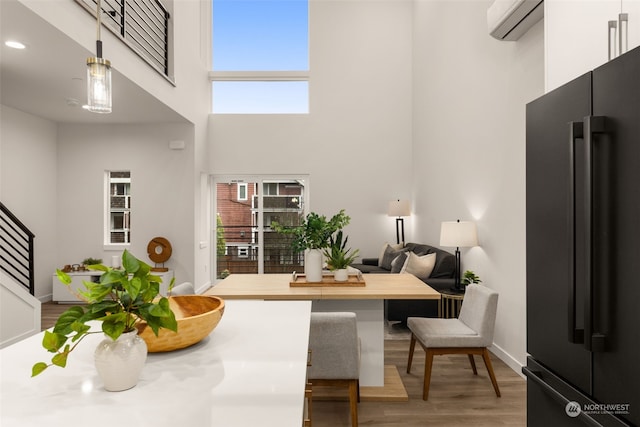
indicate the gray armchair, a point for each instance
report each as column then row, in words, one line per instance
column 471, row 333
column 335, row 355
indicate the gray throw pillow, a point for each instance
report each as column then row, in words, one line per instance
column 398, row 262
column 389, row 255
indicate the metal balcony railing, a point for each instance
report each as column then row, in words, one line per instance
column 16, row 250
column 142, row 24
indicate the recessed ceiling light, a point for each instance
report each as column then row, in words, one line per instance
column 15, row 44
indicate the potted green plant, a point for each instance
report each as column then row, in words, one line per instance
column 91, row 261
column 339, row 257
column 470, row 277
column 313, row 235
column 121, row 299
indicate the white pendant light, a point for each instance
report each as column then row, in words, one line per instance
column 98, row 77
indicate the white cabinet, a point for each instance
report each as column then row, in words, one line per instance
column 62, row 294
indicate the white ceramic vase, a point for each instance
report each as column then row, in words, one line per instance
column 313, row 265
column 120, row 362
column 341, row 275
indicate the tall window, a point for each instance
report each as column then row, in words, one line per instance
column 260, row 56
column 118, row 211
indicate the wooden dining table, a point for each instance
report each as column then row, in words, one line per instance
column 366, row 301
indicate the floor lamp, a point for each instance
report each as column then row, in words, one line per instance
column 459, row 235
column 399, row 208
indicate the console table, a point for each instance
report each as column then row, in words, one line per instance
column 250, row 371
column 367, row 302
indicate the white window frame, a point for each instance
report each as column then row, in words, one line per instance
column 108, row 245
column 246, row 191
column 257, row 179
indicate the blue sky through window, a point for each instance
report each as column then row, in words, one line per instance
column 260, row 35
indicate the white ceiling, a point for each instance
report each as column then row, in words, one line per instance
column 41, row 78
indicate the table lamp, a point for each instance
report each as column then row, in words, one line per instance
column 399, row 208
column 461, row 235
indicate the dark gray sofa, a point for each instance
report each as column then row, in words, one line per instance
column 441, row 278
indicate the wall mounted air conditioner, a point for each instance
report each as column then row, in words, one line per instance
column 510, row 19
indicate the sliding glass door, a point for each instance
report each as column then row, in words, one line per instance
column 245, row 207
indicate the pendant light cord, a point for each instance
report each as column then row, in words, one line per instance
column 98, row 41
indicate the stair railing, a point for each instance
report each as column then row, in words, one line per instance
column 16, row 249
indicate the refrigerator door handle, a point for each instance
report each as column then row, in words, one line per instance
column 594, row 341
column 576, row 335
column 536, row 377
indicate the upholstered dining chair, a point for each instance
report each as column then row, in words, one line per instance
column 335, row 354
column 471, row 333
column 185, row 288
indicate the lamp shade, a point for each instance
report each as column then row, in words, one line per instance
column 459, row 234
column 399, row 208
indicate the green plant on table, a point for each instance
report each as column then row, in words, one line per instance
column 120, row 300
column 337, row 253
column 91, row 261
column 314, row 231
column 470, row 277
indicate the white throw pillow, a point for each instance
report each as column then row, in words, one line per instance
column 419, row 266
column 395, row 247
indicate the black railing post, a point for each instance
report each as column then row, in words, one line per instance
column 123, row 21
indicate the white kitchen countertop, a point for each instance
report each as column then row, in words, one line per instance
column 250, row 371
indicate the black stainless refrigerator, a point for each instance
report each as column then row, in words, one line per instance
column 583, row 250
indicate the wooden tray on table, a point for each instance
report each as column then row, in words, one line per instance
column 300, row 281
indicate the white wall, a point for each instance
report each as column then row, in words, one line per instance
column 161, row 183
column 470, row 92
column 356, row 142
column 576, row 35
column 86, row 150
column 28, row 186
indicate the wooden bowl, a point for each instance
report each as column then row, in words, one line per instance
column 197, row 316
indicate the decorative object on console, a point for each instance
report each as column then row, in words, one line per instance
column 399, row 208
column 339, row 256
column 159, row 251
column 98, row 75
column 91, row 261
column 313, row 235
column 461, row 235
column 120, row 300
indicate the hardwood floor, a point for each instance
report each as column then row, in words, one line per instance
column 456, row 396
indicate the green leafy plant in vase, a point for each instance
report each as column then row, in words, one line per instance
column 339, row 257
column 121, row 299
column 313, row 234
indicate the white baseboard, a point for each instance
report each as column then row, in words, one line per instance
column 507, row 359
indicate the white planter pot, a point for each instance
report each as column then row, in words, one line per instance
column 120, row 362
column 341, row 275
column 313, row 265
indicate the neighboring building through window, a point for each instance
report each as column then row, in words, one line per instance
column 118, row 223
column 260, row 56
column 244, row 227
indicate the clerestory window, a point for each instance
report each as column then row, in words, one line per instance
column 260, row 57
